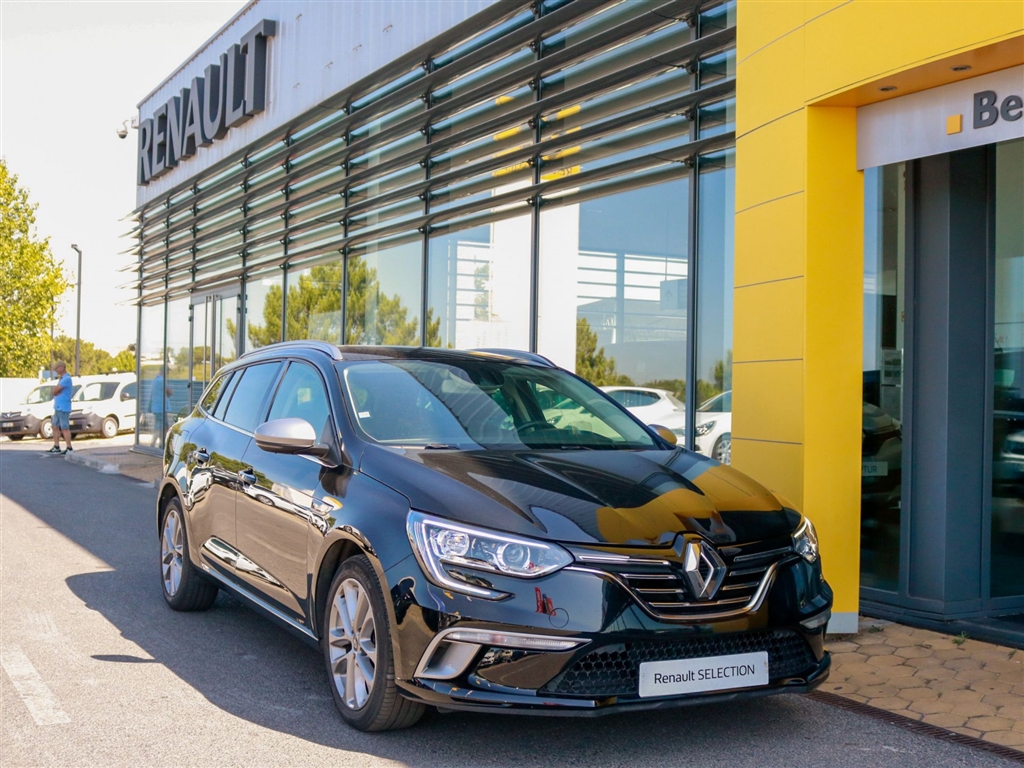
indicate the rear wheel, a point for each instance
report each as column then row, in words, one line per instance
column 356, row 641
column 109, row 428
column 185, row 589
column 46, row 429
column 723, row 449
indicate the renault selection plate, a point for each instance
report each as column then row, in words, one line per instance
column 713, row 673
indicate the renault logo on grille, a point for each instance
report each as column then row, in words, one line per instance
column 703, row 568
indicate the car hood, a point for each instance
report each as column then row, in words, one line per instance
column 624, row 498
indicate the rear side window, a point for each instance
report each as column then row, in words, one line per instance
column 225, row 395
column 210, row 398
column 130, row 392
column 631, row 398
column 302, row 396
column 245, row 409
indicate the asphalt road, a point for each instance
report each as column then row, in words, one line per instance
column 98, row 671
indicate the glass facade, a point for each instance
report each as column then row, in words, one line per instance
column 884, row 339
column 554, row 196
column 1007, row 529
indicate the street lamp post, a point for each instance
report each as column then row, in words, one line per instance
column 78, row 315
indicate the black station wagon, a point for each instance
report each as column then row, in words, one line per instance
column 483, row 530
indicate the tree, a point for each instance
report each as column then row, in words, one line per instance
column 591, row 363
column 94, row 359
column 31, row 281
column 124, row 361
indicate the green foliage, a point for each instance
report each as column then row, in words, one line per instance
column 94, row 359
column 124, row 361
column 591, row 363
column 31, row 281
column 314, row 310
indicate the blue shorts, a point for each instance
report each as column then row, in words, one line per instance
column 60, row 419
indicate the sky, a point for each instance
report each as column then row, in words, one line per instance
column 70, row 74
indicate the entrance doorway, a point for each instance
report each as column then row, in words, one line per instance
column 214, row 340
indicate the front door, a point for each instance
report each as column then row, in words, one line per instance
column 214, row 339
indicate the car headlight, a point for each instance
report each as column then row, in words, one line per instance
column 703, row 429
column 805, row 541
column 439, row 543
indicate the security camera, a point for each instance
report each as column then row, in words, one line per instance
column 122, row 132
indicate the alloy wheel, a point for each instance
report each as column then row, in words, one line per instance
column 723, row 450
column 172, row 547
column 353, row 644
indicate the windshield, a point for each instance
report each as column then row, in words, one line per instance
column 97, row 390
column 42, row 394
column 484, row 404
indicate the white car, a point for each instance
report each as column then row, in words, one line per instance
column 32, row 417
column 714, row 427
column 105, row 405
column 652, row 406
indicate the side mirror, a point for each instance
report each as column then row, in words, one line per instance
column 126, row 396
column 665, row 434
column 289, row 436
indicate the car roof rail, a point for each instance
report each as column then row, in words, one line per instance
column 532, row 357
column 326, row 347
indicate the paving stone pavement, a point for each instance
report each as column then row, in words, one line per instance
column 964, row 685
column 967, row 686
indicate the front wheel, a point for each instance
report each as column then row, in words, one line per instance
column 356, row 640
column 46, row 429
column 185, row 589
column 109, row 428
column 723, row 449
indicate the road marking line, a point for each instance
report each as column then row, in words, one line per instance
column 30, row 686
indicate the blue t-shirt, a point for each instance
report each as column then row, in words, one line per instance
column 62, row 402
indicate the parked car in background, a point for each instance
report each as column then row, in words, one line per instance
column 416, row 514
column 105, row 405
column 652, row 406
column 714, row 427
column 33, row 416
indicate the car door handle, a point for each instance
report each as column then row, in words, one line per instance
column 201, row 456
column 247, row 476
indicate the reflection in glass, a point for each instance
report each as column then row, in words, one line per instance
column 616, row 268
column 882, row 436
column 151, row 370
column 384, row 296
column 1008, row 374
column 479, row 286
column 716, row 206
column 263, row 300
column 314, row 303
column 177, row 395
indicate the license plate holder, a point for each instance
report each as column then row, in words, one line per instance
column 703, row 675
column 7, row 425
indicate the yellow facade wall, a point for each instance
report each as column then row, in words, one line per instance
column 803, row 67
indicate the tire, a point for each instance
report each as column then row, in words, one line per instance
column 15, row 437
column 356, row 641
column 184, row 587
column 722, row 452
column 109, row 427
column 46, row 429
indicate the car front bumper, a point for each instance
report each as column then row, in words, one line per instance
column 615, row 636
column 19, row 425
column 85, row 423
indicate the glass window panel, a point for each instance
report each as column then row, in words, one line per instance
column 716, row 205
column 246, row 409
column 478, row 42
column 1008, row 374
column 151, row 369
column 613, row 288
column 178, row 401
column 210, row 400
column 607, row 18
column 314, row 303
column 479, row 287
column 721, row 66
column 384, row 295
column 716, row 119
column 882, row 436
column 718, row 18
column 263, row 306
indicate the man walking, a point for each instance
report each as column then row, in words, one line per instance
column 61, row 408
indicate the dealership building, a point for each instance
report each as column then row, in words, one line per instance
column 803, row 220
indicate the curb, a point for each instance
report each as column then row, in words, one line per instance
column 104, row 467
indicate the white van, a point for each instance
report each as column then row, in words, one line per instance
column 33, row 416
column 105, row 405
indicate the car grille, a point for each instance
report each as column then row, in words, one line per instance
column 662, row 588
column 614, row 670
